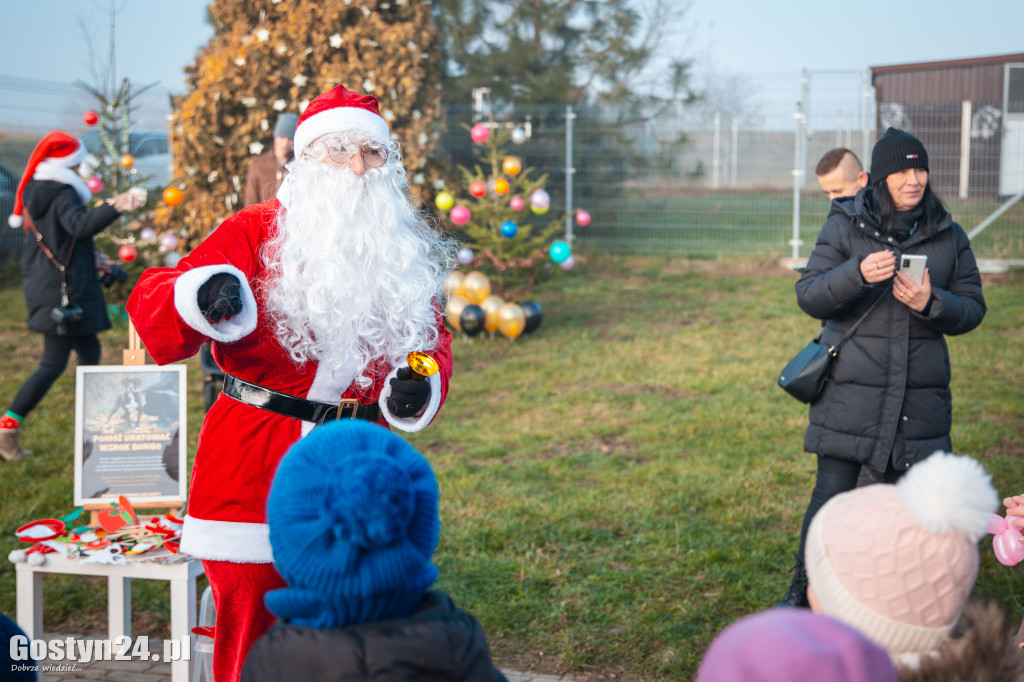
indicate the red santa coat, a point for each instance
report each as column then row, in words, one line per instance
column 240, row 446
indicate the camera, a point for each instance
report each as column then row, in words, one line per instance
column 116, row 274
column 66, row 317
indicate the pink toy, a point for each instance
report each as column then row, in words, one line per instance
column 1008, row 543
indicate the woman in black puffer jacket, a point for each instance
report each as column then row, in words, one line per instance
column 887, row 403
column 51, row 198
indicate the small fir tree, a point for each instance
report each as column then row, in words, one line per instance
column 512, row 257
column 130, row 243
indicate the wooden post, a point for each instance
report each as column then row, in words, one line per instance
column 135, row 354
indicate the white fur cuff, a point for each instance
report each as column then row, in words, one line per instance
column 186, row 288
column 411, row 424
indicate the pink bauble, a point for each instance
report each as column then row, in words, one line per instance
column 516, row 203
column 480, row 133
column 568, row 263
column 169, row 242
column 582, row 218
column 127, row 253
column 460, row 215
column 95, row 184
column 147, row 234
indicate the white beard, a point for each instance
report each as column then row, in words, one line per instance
column 354, row 271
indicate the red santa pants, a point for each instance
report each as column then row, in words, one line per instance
column 242, row 618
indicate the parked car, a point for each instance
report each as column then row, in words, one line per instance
column 10, row 239
column 151, row 152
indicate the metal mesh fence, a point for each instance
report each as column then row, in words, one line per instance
column 31, row 108
column 729, row 174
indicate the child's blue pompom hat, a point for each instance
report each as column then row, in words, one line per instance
column 353, row 516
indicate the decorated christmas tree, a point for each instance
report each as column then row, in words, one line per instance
column 130, row 245
column 268, row 57
column 502, row 218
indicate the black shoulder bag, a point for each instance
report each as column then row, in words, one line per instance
column 805, row 375
column 67, row 314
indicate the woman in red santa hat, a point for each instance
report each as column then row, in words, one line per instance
column 67, row 307
column 312, row 300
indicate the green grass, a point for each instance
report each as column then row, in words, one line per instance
column 616, row 487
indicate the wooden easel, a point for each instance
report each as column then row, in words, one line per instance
column 135, row 354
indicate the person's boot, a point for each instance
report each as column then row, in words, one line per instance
column 796, row 595
column 10, row 449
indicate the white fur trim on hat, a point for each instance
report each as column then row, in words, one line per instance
column 186, row 288
column 340, row 120
column 73, row 159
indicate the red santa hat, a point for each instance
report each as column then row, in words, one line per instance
column 57, row 148
column 337, row 111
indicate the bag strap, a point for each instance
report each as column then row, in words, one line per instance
column 61, row 268
column 846, row 337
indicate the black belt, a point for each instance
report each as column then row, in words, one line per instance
column 297, row 408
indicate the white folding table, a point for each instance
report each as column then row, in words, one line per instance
column 182, row 576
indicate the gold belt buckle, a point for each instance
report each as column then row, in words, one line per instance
column 351, row 402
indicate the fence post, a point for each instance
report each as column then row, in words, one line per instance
column 865, row 138
column 733, row 152
column 716, row 147
column 570, row 170
column 798, row 163
column 965, row 147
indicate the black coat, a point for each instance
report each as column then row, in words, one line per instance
column 60, row 216
column 439, row 642
column 889, row 386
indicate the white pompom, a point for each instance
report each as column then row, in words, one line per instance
column 16, row 556
column 36, row 559
column 948, row 493
column 15, row 221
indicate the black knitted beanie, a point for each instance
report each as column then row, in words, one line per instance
column 895, row 151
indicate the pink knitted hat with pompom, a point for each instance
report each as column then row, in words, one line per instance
column 898, row 561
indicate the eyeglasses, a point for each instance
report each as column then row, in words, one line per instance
column 373, row 157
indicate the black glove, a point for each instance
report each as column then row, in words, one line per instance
column 407, row 396
column 220, row 297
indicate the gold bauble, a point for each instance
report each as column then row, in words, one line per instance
column 491, row 305
column 455, row 305
column 476, row 287
column 511, row 320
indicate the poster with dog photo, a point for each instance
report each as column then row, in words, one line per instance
column 130, row 434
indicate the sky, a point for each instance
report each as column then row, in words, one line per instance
column 155, row 41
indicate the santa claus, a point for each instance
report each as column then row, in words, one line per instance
column 312, row 301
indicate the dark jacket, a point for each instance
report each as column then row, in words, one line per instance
column 265, row 177
column 980, row 650
column 889, row 386
column 439, row 642
column 60, row 216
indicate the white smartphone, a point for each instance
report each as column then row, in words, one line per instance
column 912, row 266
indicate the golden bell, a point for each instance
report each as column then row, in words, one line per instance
column 422, row 364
